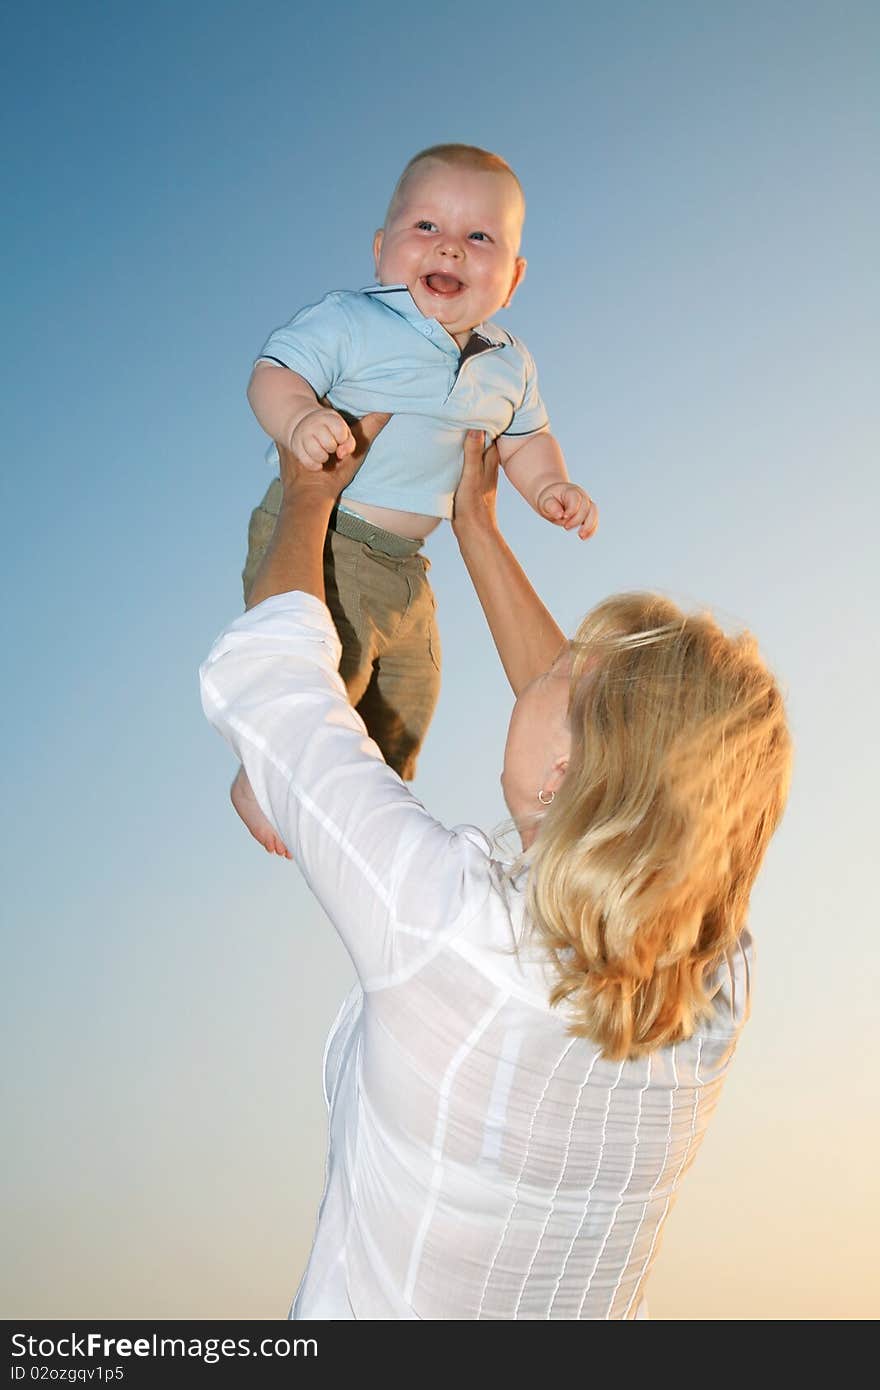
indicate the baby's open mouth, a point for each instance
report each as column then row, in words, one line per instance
column 443, row 284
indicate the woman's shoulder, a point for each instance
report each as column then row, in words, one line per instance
column 706, row 1055
column 495, row 938
column 731, row 987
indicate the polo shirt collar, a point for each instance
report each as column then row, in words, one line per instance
column 399, row 299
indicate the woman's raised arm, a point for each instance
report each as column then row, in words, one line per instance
column 394, row 881
column 527, row 638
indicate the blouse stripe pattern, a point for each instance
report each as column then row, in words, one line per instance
column 439, row 1135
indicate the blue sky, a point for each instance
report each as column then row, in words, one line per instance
column 701, row 301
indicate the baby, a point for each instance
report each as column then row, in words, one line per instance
column 419, row 344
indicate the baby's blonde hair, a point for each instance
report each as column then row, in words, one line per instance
column 642, row 870
column 462, row 156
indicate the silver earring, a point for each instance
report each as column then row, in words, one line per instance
column 545, row 798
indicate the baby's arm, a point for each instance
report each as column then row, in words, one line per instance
column 288, row 409
column 536, row 467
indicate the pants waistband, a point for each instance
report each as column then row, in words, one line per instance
column 357, row 529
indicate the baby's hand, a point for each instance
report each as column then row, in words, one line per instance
column 319, row 434
column 567, row 505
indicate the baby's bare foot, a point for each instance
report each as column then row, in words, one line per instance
column 242, row 795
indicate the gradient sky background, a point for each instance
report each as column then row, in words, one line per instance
column 701, row 300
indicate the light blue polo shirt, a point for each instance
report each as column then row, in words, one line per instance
column 375, row 350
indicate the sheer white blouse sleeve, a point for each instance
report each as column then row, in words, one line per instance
column 395, row 883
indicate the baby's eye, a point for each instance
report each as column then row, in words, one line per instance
column 480, row 236
column 425, row 226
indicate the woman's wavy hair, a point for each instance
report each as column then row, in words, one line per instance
column 643, row 866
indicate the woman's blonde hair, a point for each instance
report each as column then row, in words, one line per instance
column 642, row 869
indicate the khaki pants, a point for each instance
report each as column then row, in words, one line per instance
column 385, row 614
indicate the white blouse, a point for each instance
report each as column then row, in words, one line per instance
column 482, row 1163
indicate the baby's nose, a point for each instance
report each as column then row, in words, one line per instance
column 451, row 248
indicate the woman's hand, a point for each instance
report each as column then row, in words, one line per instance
column 294, row 558
column 327, row 481
column 474, row 502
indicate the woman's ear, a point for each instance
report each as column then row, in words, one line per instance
column 555, row 777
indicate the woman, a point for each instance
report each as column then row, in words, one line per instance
column 527, row 1066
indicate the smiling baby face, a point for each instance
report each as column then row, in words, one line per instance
column 452, row 237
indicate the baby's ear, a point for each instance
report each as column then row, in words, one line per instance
column 377, row 247
column 519, row 271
